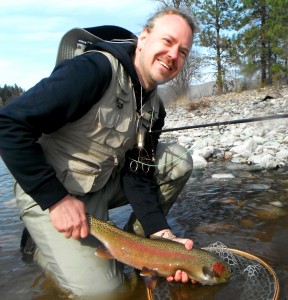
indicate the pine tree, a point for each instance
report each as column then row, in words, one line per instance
column 277, row 32
column 255, row 38
column 7, row 93
column 219, row 18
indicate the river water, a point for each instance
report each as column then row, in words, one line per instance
column 248, row 212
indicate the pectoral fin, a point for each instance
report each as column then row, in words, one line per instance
column 150, row 278
column 147, row 272
column 103, row 252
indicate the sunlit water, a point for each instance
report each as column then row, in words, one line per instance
column 249, row 213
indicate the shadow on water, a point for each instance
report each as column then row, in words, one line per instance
column 248, row 212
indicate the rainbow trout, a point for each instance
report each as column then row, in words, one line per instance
column 160, row 257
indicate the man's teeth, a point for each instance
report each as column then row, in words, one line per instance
column 164, row 65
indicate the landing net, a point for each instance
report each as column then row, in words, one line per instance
column 252, row 279
column 255, row 278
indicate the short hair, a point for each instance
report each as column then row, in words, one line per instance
column 189, row 18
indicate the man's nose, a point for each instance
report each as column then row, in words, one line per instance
column 173, row 52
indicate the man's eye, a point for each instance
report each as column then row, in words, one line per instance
column 167, row 41
column 183, row 53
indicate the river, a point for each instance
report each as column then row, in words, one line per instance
column 248, row 212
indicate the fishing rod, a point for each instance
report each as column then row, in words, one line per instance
column 256, row 119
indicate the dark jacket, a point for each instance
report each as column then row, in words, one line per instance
column 65, row 96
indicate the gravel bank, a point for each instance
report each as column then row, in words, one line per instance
column 262, row 145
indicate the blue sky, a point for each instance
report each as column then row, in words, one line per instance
column 30, row 31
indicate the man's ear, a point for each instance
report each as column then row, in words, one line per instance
column 142, row 38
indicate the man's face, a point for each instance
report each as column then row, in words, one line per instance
column 161, row 53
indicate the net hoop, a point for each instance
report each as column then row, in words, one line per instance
column 259, row 260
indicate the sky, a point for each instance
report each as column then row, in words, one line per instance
column 31, row 30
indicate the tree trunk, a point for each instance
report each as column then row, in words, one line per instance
column 219, row 80
column 263, row 47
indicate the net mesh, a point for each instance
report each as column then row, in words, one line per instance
column 252, row 278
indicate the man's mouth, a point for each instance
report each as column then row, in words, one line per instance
column 165, row 65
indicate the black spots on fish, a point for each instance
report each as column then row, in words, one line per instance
column 89, row 220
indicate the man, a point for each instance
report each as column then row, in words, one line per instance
column 71, row 144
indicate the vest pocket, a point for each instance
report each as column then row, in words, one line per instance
column 80, row 177
column 110, row 127
column 78, row 183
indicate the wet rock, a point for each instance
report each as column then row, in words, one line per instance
column 223, row 176
column 247, row 223
column 269, row 213
column 257, row 186
column 216, row 227
column 277, row 203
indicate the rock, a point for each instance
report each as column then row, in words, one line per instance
column 199, row 162
column 238, row 160
column 223, row 176
column 216, row 227
column 266, row 161
column 269, row 213
column 258, row 186
column 273, row 95
column 277, row 203
column 246, row 148
column 228, row 155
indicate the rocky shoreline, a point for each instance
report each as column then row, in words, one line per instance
column 255, row 145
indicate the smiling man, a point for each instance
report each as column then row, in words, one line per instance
column 162, row 49
column 79, row 142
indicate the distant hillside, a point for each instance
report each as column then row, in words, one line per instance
column 201, row 90
column 196, row 91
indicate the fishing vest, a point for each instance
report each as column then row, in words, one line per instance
column 85, row 152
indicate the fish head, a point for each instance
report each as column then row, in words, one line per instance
column 218, row 272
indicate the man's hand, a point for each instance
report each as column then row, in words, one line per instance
column 179, row 275
column 68, row 216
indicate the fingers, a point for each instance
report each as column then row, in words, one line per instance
column 84, row 229
column 78, row 231
column 185, row 277
column 179, row 276
column 68, row 233
column 189, row 244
